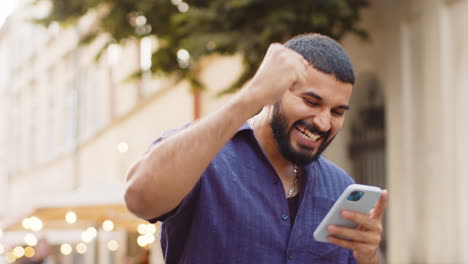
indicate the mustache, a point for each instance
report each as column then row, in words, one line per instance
column 313, row 129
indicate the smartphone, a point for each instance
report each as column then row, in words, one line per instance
column 356, row 197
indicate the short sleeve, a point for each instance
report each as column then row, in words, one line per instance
column 166, row 135
column 186, row 201
column 184, row 204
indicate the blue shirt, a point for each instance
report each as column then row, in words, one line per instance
column 238, row 213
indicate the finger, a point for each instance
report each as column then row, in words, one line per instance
column 360, row 248
column 356, row 235
column 302, row 77
column 379, row 209
column 361, row 219
column 296, row 54
column 302, row 68
column 302, row 60
column 274, row 46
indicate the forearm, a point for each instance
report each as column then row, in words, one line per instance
column 161, row 179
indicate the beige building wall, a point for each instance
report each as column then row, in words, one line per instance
column 75, row 127
column 72, row 126
column 217, row 75
column 4, row 133
column 424, row 64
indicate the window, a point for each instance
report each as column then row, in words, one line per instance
column 71, row 115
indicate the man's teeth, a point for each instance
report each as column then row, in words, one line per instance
column 306, row 134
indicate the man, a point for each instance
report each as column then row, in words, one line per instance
column 231, row 191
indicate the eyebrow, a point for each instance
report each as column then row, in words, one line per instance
column 318, row 97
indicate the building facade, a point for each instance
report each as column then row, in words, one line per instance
column 70, row 128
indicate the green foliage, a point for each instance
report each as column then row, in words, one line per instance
column 214, row 26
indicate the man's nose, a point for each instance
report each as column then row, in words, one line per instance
column 322, row 121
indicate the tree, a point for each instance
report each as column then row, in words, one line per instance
column 204, row 27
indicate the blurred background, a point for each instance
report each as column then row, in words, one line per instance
column 86, row 86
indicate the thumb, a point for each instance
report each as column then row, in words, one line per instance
column 379, row 209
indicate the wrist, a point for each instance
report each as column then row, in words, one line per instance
column 247, row 101
column 375, row 259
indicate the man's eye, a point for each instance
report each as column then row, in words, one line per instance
column 310, row 102
column 337, row 112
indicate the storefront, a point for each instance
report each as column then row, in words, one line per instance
column 81, row 227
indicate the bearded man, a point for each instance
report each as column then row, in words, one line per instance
column 248, row 183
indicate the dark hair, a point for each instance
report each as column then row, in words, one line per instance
column 325, row 54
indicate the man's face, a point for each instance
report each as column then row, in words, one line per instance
column 308, row 116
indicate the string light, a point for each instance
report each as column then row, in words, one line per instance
column 26, row 223
column 36, row 224
column 108, row 225
column 18, row 252
column 140, row 21
column 70, row 217
column 151, row 228
column 10, row 257
column 30, row 239
column 141, row 241
column 66, row 249
column 29, row 252
column 112, row 245
column 81, row 248
column 89, row 234
column 183, row 7
column 146, row 232
column 86, row 237
column 183, row 55
column 92, row 231
column 122, row 147
column 149, row 238
column 142, row 229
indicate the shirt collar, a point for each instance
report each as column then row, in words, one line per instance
column 245, row 126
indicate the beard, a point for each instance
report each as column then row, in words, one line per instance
column 282, row 134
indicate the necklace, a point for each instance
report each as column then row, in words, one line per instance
column 294, row 184
column 292, row 188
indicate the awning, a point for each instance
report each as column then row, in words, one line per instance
column 91, row 205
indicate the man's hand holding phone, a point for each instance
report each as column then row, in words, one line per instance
column 365, row 239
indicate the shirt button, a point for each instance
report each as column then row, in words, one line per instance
column 275, row 181
column 289, row 256
column 284, row 216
